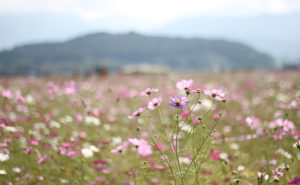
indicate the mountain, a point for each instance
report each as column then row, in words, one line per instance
column 276, row 34
column 116, row 50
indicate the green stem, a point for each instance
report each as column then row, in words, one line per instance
column 199, row 149
column 198, row 169
column 176, row 151
column 164, row 157
column 196, row 126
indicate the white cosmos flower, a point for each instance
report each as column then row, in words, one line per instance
column 17, row 170
column 234, row 146
column 116, row 140
column 10, row 129
column 91, row 120
column 185, row 127
column 297, row 144
column 87, row 153
column 195, row 107
column 94, row 148
column 54, row 124
column 3, row 172
column 206, row 103
column 184, row 160
column 3, row 157
column 29, row 99
column 224, row 156
column 240, row 168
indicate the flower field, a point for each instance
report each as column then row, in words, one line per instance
column 192, row 129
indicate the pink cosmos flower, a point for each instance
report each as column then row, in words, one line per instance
column 33, row 141
column 253, row 122
column 66, row 145
column 144, row 149
column 277, row 173
column 218, row 94
column 184, row 84
column 100, row 180
column 137, row 113
column 215, row 154
column 178, row 102
column 214, row 92
column 7, row 94
column 159, row 146
column 157, row 166
column 42, row 159
column 134, row 141
column 296, row 181
column 185, row 113
column 100, row 112
column 120, row 148
column 67, row 152
column 295, row 133
column 155, row 102
column 286, row 125
column 148, row 92
column 21, row 98
column 154, row 180
column 216, row 117
column 196, row 122
column 79, row 118
column 28, row 150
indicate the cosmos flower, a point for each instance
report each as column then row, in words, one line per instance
column 285, row 124
column 184, row 84
column 3, row 157
column 218, row 94
column 148, row 92
column 137, row 113
column 28, row 150
column 296, row 181
column 3, row 172
column 178, row 102
column 134, row 141
column 120, row 148
column 278, row 173
column 184, row 114
column 42, row 159
column 215, row 154
column 155, row 102
column 198, row 90
column 144, row 148
column 158, row 166
column 214, row 93
column 7, row 94
column 253, row 122
column 297, row 144
column 87, row 153
column 67, row 152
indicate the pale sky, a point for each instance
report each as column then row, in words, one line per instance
column 155, row 11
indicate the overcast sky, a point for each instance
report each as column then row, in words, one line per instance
column 155, row 11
